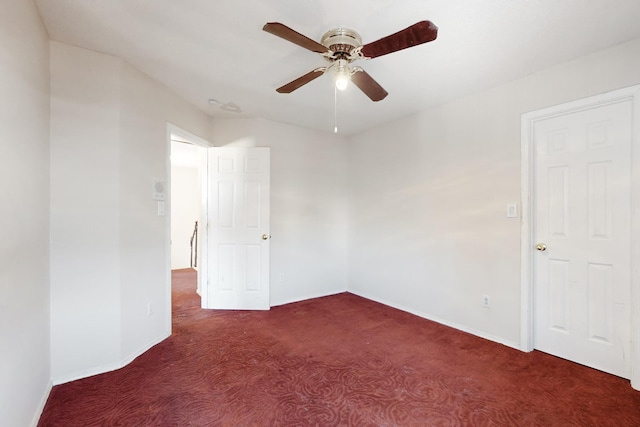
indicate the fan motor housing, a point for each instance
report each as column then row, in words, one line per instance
column 341, row 41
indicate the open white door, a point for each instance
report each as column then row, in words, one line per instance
column 238, row 228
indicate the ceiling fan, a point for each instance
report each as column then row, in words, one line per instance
column 342, row 46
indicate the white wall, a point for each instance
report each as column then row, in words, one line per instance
column 85, row 309
column 145, row 276
column 428, row 194
column 109, row 248
column 308, row 205
column 24, row 214
column 185, row 211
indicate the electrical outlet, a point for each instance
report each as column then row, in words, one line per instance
column 486, row 301
column 150, row 309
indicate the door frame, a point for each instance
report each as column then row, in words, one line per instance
column 528, row 120
column 203, row 228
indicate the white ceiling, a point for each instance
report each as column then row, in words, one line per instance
column 204, row 49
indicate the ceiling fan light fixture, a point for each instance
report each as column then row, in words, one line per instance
column 342, row 82
column 342, row 46
column 342, row 74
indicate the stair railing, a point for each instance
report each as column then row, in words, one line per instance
column 194, row 246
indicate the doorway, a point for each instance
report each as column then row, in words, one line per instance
column 188, row 203
column 579, row 290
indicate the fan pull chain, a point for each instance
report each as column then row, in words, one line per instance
column 335, row 109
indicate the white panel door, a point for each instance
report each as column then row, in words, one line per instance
column 238, row 228
column 582, row 203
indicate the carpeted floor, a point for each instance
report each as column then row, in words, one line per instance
column 336, row 361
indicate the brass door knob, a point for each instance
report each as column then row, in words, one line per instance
column 541, row 247
column 265, row 236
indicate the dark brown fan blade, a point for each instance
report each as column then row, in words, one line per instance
column 422, row 32
column 281, row 30
column 301, row 81
column 370, row 87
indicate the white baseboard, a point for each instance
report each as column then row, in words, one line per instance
column 436, row 319
column 144, row 349
column 85, row 373
column 41, row 405
column 307, row 297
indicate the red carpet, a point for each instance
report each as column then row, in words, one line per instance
column 336, row 361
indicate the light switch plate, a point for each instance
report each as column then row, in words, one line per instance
column 512, row 210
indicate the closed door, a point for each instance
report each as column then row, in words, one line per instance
column 239, row 239
column 582, row 231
